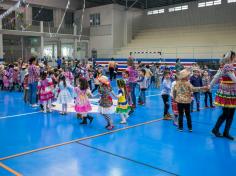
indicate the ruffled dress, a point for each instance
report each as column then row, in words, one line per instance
column 226, row 94
column 123, row 106
column 82, row 104
column 45, row 88
column 65, row 95
column 105, row 102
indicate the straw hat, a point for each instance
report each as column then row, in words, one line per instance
column 104, row 80
column 41, row 65
column 184, row 74
column 1, row 67
column 15, row 68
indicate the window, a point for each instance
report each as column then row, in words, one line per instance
column 95, row 19
column 209, row 3
column 41, row 14
column 153, row 12
column 231, row 1
column 178, row 8
column 69, row 18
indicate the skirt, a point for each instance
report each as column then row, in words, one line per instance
column 226, row 96
column 106, row 110
column 64, row 97
column 83, row 109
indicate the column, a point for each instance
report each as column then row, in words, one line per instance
column 59, row 48
column 41, row 40
column 1, row 43
column 75, row 53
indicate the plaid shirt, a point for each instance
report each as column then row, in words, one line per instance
column 33, row 74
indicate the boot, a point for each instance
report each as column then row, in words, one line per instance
column 84, row 121
column 216, row 133
column 90, row 119
column 228, row 136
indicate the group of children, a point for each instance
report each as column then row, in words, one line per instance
column 75, row 85
column 183, row 89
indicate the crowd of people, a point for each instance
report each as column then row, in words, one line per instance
column 76, row 82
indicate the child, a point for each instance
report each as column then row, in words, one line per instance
column 165, row 93
column 69, row 76
column 64, row 96
column 143, row 86
column 128, row 90
column 97, row 75
column 206, row 80
column 182, row 95
column 82, row 104
column 26, row 88
column 45, row 86
column 174, row 103
column 105, row 102
column 123, row 107
column 6, row 81
column 196, row 81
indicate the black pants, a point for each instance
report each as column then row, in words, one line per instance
column 95, row 88
column 90, row 84
column 165, row 99
column 184, row 108
column 111, row 71
column 228, row 116
column 1, row 84
column 206, row 97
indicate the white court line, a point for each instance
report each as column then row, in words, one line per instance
column 18, row 115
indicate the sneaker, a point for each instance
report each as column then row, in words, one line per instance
column 180, row 130
column 167, row 117
column 34, row 105
column 110, row 127
column 123, row 122
column 212, row 106
column 206, row 106
column 190, row 130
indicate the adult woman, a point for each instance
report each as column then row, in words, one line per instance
column 133, row 76
column 33, row 72
column 226, row 95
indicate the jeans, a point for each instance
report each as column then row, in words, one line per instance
column 132, row 91
column 228, row 116
column 184, row 108
column 206, row 97
column 165, row 99
column 197, row 99
column 32, row 93
column 142, row 96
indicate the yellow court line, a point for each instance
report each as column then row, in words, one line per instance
column 10, row 170
column 80, row 139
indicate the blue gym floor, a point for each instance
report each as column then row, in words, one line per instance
column 32, row 143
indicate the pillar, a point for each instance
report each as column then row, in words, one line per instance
column 75, row 53
column 1, row 43
column 41, row 40
column 59, row 48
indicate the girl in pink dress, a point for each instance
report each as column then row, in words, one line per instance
column 45, row 86
column 82, row 104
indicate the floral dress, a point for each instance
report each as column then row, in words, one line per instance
column 105, row 102
column 45, row 88
column 82, row 104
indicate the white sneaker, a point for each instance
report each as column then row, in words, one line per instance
column 123, row 122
